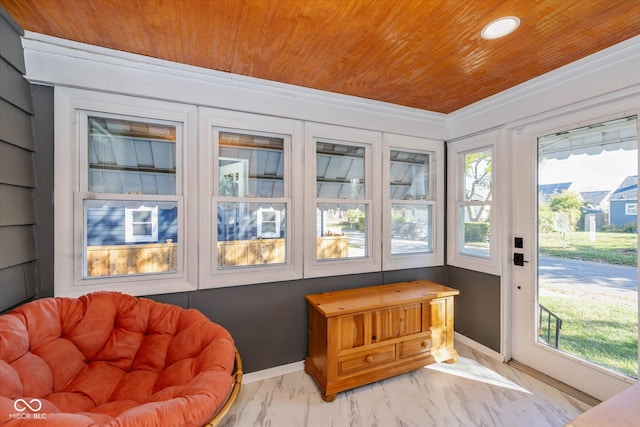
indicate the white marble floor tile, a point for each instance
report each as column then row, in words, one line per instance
column 476, row 391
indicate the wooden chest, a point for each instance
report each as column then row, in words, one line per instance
column 360, row 336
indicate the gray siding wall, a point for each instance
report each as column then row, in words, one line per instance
column 17, row 178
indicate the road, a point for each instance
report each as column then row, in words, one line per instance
column 588, row 278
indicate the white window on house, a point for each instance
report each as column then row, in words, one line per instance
column 413, row 214
column 472, row 209
column 123, row 178
column 247, row 169
column 268, row 223
column 342, row 201
column 141, row 224
column 631, row 209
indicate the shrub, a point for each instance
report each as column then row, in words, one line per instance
column 476, row 231
column 630, row 227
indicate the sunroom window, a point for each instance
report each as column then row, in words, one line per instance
column 251, row 210
column 122, row 216
column 475, row 206
column 250, row 198
column 341, row 220
column 412, row 207
column 342, row 223
column 130, row 210
column 473, row 212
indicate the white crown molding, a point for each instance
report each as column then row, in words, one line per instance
column 60, row 62
column 609, row 74
column 604, row 76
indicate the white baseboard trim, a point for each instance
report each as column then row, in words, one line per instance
column 478, row 347
column 273, row 372
column 289, row 368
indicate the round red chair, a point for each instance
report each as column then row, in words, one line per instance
column 110, row 359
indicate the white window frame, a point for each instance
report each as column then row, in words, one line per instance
column 435, row 149
column 73, row 107
column 211, row 122
column 372, row 142
column 130, row 236
column 455, row 200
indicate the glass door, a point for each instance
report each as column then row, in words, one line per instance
column 580, row 284
column 588, row 244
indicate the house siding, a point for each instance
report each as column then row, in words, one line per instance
column 17, row 176
column 618, row 215
column 106, row 226
column 623, row 205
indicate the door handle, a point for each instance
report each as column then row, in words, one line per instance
column 518, row 259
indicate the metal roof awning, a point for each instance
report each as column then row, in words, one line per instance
column 621, row 134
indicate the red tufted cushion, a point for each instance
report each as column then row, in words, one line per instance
column 110, row 359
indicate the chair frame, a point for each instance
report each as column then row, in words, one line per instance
column 233, row 395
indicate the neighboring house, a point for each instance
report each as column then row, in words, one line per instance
column 624, row 203
column 115, row 223
column 596, row 200
column 547, row 190
column 596, row 207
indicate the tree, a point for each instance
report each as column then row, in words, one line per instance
column 568, row 203
column 478, row 167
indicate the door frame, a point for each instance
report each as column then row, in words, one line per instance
column 585, row 376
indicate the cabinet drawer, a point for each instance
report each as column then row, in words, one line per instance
column 366, row 359
column 415, row 346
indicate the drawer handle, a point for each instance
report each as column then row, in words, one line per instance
column 424, row 344
column 369, row 358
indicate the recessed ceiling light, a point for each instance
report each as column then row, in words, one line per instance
column 500, row 27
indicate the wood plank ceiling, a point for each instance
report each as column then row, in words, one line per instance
column 425, row 54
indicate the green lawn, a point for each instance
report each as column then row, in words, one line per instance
column 612, row 248
column 601, row 332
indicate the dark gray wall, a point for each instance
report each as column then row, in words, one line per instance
column 17, row 182
column 477, row 308
column 269, row 321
